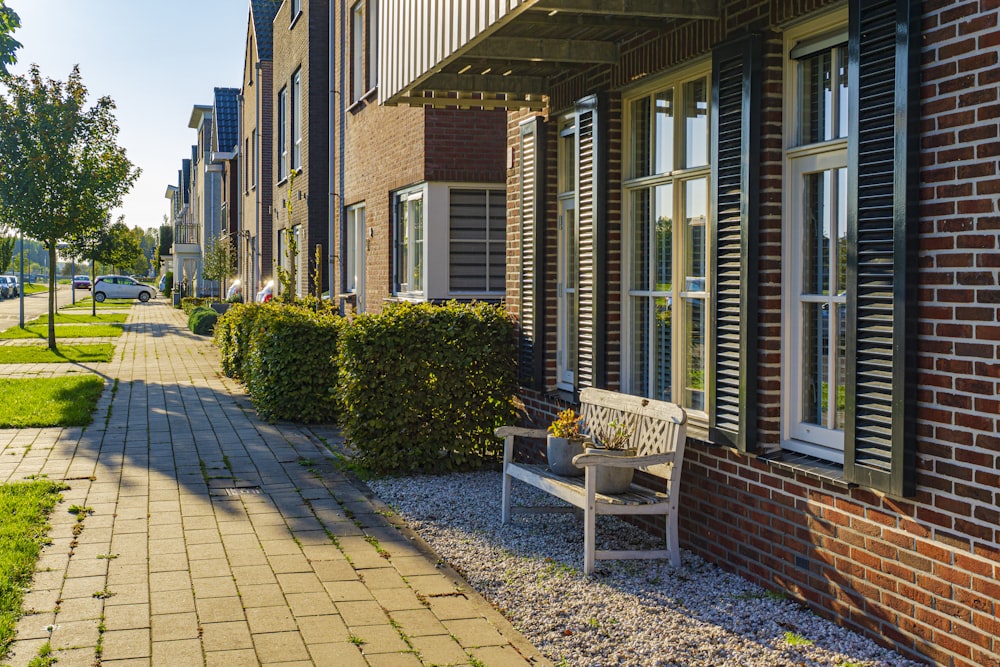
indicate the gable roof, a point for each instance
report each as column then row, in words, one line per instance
column 262, row 14
column 226, row 119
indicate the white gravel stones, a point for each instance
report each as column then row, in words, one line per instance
column 636, row 613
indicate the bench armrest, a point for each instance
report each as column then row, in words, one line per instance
column 518, row 431
column 622, row 461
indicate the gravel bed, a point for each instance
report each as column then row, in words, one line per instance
column 630, row 612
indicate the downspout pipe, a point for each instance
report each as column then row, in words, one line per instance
column 335, row 165
column 342, row 107
column 258, row 186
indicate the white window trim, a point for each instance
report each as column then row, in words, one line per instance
column 296, row 120
column 569, row 126
column 677, row 295
column 355, row 243
column 359, row 47
column 826, row 444
column 409, row 194
column 282, row 134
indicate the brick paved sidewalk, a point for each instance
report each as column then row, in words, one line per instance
column 219, row 539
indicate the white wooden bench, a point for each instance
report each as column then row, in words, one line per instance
column 659, row 434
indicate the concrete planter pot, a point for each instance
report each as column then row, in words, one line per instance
column 560, row 453
column 611, row 479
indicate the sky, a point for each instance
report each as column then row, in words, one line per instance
column 155, row 60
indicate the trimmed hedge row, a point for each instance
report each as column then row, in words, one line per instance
column 416, row 388
column 189, row 303
column 202, row 320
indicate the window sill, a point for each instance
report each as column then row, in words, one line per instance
column 362, row 101
column 810, row 466
column 295, row 19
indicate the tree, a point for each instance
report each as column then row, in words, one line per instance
column 123, row 249
column 6, row 252
column 219, row 262
column 9, row 22
column 61, row 168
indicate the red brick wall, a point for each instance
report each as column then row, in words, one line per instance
column 921, row 573
column 465, row 146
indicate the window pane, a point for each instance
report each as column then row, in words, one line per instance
column 817, row 220
column 696, row 213
column 695, row 354
column 843, row 96
column 662, row 340
column 815, row 362
column 567, row 163
column 696, row 123
column 417, row 223
column 639, row 384
column 841, row 286
column 664, row 132
column 640, row 138
column 840, row 331
column 640, row 239
column 816, row 105
column 664, row 238
column 402, row 245
column 571, row 241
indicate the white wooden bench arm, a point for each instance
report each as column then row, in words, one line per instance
column 520, row 432
column 622, row 461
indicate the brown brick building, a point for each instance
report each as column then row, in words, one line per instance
column 782, row 215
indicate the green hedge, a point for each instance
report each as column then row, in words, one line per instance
column 422, row 387
column 202, row 320
column 234, row 333
column 291, row 364
column 189, row 303
column 168, row 284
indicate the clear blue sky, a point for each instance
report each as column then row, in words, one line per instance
column 156, row 60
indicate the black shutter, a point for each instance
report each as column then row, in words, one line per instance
column 532, row 187
column 736, row 118
column 879, row 437
column 591, row 217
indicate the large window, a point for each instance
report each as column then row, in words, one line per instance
column 354, row 242
column 296, row 119
column 567, row 255
column 815, row 284
column 364, row 48
column 477, row 240
column 410, row 265
column 666, row 201
column 282, row 132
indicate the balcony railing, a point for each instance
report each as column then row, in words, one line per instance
column 187, row 233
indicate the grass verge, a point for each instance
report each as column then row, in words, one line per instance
column 81, row 318
column 34, row 288
column 108, row 304
column 25, row 507
column 40, row 354
column 39, row 402
column 41, row 331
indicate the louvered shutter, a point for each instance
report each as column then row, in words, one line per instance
column 591, row 246
column 531, row 189
column 736, row 118
column 879, row 436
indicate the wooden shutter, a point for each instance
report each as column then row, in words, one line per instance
column 532, row 187
column 879, row 437
column 736, row 118
column 591, row 217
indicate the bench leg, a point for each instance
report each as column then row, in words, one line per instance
column 673, row 543
column 590, row 521
column 508, row 456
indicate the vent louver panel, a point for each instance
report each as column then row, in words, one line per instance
column 530, row 357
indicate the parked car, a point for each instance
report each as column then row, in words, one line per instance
column 266, row 293
column 81, row 282
column 121, row 287
column 4, row 288
column 13, row 287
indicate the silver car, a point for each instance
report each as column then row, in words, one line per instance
column 121, row 287
column 9, row 286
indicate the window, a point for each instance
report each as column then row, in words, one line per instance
column 364, row 48
column 477, row 241
column 815, row 284
column 666, row 200
column 296, row 9
column 567, row 254
column 253, row 162
column 246, row 165
column 281, row 132
column 283, row 249
column 409, row 211
column 296, row 119
column 300, row 275
column 354, row 246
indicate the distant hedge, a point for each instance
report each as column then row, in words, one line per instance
column 189, row 303
column 422, row 387
column 202, row 320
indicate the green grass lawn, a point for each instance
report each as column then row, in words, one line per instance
column 33, row 288
column 81, row 318
column 108, row 304
column 25, row 507
column 39, row 402
column 41, row 331
column 41, row 354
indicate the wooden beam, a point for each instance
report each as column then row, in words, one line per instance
column 567, row 20
column 558, row 50
column 692, row 9
column 488, row 83
column 468, row 102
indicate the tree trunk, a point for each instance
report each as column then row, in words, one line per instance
column 52, row 296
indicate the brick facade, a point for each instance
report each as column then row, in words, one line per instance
column 919, row 573
column 304, row 43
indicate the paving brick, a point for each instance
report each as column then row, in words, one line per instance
column 168, row 627
column 226, row 636
column 270, row 619
column 118, row 644
column 283, row 646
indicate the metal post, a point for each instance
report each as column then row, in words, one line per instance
column 20, row 291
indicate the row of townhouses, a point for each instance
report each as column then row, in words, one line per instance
column 783, row 215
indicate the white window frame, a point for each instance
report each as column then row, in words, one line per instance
column 358, row 49
column 355, row 242
column 416, row 258
column 800, row 159
column 679, row 294
column 296, row 10
column 301, row 258
column 296, row 120
column 567, row 253
column 282, row 123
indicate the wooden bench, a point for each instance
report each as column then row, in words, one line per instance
column 659, row 430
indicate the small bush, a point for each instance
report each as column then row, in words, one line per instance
column 291, row 364
column 168, row 284
column 234, row 333
column 189, row 303
column 202, row 320
column 423, row 387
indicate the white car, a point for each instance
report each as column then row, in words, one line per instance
column 121, row 287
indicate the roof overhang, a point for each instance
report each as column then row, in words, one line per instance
column 198, row 114
column 505, row 57
column 171, row 191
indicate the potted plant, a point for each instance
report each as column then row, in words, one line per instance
column 613, row 440
column 565, row 442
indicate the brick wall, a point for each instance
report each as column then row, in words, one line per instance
column 921, row 573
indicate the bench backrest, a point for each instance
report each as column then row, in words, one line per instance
column 657, row 427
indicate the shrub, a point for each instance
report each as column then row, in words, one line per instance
column 423, row 387
column 189, row 303
column 291, row 364
column 202, row 320
column 234, row 333
column 168, row 284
